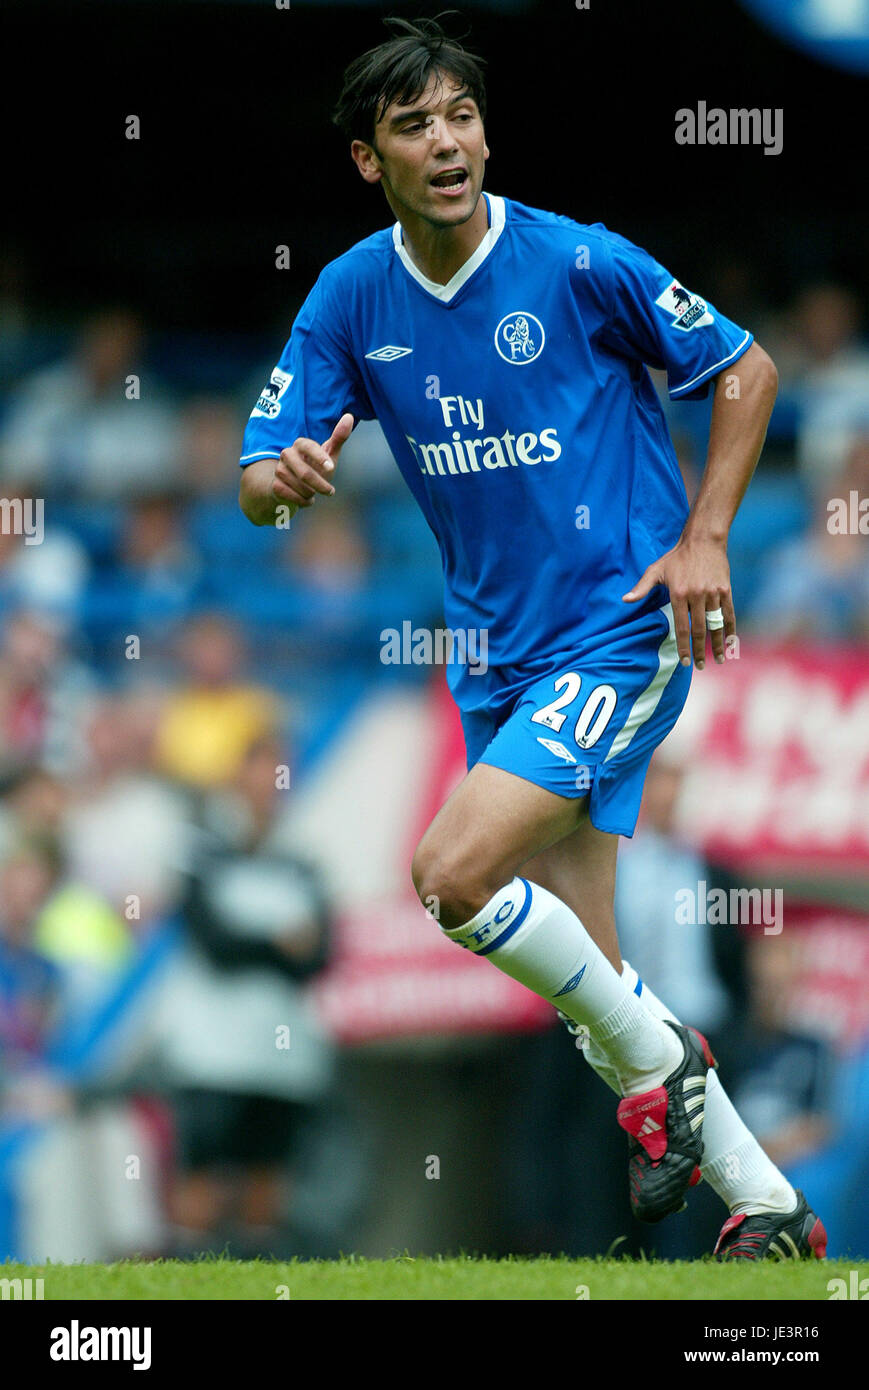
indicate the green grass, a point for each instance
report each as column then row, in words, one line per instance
column 437, row 1279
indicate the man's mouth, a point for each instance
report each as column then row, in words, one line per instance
column 450, row 181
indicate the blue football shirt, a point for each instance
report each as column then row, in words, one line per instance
column 518, row 407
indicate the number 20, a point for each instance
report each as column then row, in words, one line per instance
column 593, row 717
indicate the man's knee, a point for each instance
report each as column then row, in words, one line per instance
column 450, row 889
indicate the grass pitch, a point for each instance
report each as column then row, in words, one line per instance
column 426, row 1279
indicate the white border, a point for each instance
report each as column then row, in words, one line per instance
column 497, row 219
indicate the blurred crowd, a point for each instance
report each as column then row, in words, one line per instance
column 167, row 673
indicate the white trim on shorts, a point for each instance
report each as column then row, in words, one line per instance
column 648, row 700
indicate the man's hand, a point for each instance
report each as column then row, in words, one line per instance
column 271, row 487
column 698, row 576
column 304, row 468
column 696, row 570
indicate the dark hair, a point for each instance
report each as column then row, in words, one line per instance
column 399, row 70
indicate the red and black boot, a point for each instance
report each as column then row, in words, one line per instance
column 665, row 1132
column 774, row 1235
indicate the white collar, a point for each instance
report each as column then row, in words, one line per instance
column 451, row 288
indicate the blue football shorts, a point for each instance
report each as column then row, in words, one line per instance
column 590, row 726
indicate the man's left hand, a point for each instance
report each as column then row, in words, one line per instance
column 697, row 575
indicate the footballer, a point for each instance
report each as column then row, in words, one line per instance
column 504, row 351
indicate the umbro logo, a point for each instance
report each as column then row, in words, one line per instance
column 571, row 984
column 558, row 749
column 388, row 353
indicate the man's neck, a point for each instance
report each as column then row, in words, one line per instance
column 438, row 252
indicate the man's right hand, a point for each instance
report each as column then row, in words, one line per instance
column 304, row 469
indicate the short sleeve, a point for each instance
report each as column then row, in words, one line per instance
column 654, row 319
column 313, row 384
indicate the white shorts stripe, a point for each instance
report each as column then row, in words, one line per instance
column 647, row 702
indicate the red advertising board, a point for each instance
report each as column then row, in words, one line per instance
column 779, row 742
column 830, row 993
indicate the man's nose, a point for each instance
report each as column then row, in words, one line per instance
column 440, row 134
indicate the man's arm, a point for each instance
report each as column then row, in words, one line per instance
column 293, row 480
column 696, row 570
column 256, row 495
column 736, row 435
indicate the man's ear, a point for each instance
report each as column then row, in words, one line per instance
column 485, row 151
column 366, row 161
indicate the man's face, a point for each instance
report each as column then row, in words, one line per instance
column 430, row 155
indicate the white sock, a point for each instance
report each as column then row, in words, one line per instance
column 733, row 1162
column 537, row 939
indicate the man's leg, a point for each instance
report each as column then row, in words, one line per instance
column 581, row 869
column 468, row 861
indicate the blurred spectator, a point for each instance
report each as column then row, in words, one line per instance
column 43, row 694
column 787, row 1090
column 674, row 958
column 212, row 721
column 244, row 1049
column 817, row 586
column 49, row 574
column 63, row 953
column 209, row 432
column 155, row 554
column 121, row 801
column 82, row 428
column 65, row 922
column 825, row 365
column 329, row 559
column 29, row 983
column 32, row 804
column 36, row 799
